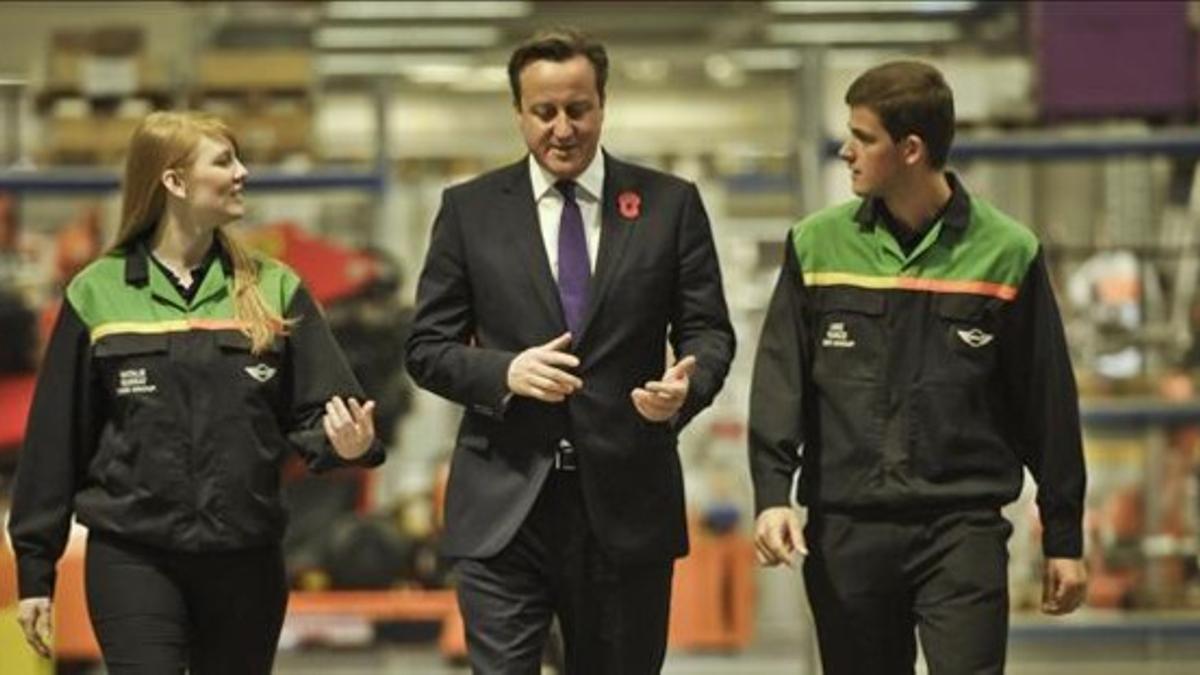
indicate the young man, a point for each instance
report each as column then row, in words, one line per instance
column 550, row 290
column 912, row 361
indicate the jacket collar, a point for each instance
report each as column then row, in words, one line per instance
column 956, row 215
column 137, row 260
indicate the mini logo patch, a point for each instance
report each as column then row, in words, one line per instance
column 262, row 372
column 134, row 381
column 837, row 336
column 975, row 337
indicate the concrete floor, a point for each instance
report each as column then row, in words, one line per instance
column 1090, row 642
column 1097, row 654
column 409, row 661
column 1087, row 646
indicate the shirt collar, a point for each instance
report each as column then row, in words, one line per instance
column 590, row 183
column 137, row 260
column 956, row 215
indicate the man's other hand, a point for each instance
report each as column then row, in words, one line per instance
column 541, row 372
column 778, row 536
column 1064, row 585
column 660, row 400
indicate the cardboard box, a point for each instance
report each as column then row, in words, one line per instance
column 103, row 62
column 252, row 69
column 267, row 136
column 117, row 41
column 98, row 75
column 90, row 139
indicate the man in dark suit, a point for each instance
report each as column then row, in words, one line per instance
column 549, row 293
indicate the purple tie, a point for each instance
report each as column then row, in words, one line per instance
column 574, row 270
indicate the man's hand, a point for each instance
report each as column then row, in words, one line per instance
column 1064, row 585
column 34, row 616
column 539, row 372
column 350, row 429
column 659, row 400
column 778, row 536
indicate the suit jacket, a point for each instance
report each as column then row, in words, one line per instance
column 486, row 293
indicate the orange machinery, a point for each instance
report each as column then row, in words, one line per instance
column 712, row 601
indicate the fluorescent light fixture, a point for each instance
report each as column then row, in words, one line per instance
column 438, row 73
column 484, row 78
column 647, row 70
column 862, row 32
column 766, row 59
column 437, row 9
column 332, row 65
column 724, row 71
column 406, row 37
column 872, row 6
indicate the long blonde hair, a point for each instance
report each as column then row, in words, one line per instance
column 169, row 140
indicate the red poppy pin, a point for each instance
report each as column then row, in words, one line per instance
column 629, row 203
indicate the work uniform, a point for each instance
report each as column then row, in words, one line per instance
column 897, row 393
column 158, row 428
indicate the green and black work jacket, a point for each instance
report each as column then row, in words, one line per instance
column 888, row 382
column 152, row 419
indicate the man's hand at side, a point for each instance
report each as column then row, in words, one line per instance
column 1064, row 585
column 34, row 615
column 778, row 536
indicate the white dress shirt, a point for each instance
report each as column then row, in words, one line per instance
column 589, row 187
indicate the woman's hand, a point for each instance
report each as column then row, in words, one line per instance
column 351, row 429
column 34, row 616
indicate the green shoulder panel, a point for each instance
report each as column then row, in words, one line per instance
column 830, row 241
column 99, row 293
column 991, row 256
column 996, row 247
column 278, row 283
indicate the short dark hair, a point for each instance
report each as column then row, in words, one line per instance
column 558, row 45
column 910, row 97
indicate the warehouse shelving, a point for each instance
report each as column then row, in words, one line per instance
column 60, row 180
column 1043, row 146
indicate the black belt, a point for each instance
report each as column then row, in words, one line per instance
column 565, row 457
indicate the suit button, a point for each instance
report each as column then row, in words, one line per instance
column 893, row 400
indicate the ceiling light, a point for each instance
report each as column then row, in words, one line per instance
column 651, row 71
column 484, row 78
column 872, row 6
column 767, row 59
column 334, row 65
column 724, row 71
column 406, row 37
column 437, row 73
column 438, row 9
column 862, row 32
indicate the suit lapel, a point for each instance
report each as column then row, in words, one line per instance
column 521, row 217
column 615, row 233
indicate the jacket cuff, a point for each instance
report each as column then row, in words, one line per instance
column 493, row 400
column 698, row 397
column 777, row 493
column 373, row 457
column 35, row 577
column 1062, row 540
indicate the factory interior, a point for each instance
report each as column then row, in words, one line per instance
column 1078, row 119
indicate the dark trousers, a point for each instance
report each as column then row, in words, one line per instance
column 873, row 580
column 613, row 618
column 159, row 612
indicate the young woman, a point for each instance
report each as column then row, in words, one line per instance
column 180, row 373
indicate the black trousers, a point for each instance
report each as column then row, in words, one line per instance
column 160, row 612
column 613, row 618
column 873, row 580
